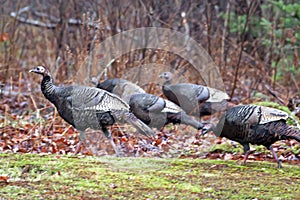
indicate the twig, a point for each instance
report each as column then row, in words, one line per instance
column 90, row 57
column 6, row 107
column 295, row 83
column 106, row 67
column 1, row 89
column 53, row 120
column 296, row 53
column 11, row 86
column 274, row 94
column 19, row 88
column 57, row 62
column 94, row 80
column 33, row 127
column 66, row 130
column 35, row 106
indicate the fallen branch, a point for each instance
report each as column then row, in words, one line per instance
column 17, row 16
column 50, row 25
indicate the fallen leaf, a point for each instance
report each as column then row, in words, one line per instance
column 113, row 186
column 4, row 37
column 228, row 156
column 4, row 179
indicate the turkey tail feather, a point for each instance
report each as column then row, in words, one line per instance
column 185, row 119
column 138, row 124
column 286, row 131
column 292, row 133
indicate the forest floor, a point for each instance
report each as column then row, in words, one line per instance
column 37, row 161
column 32, row 176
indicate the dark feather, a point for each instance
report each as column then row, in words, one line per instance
column 251, row 124
column 194, row 99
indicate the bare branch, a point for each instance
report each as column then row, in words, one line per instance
column 223, row 60
column 208, row 25
column 236, row 73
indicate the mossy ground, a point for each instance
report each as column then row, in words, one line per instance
column 65, row 177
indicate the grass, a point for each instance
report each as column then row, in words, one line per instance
column 66, row 177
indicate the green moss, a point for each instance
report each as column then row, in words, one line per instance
column 65, row 177
column 296, row 149
column 274, row 105
column 261, row 149
column 226, row 148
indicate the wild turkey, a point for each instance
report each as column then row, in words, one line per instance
column 255, row 125
column 120, row 87
column 88, row 107
column 192, row 98
column 152, row 110
column 157, row 112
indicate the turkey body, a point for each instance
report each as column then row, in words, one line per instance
column 194, row 99
column 121, row 87
column 152, row 110
column 85, row 107
column 88, row 107
column 157, row 112
column 251, row 124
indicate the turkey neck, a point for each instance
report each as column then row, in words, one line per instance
column 166, row 85
column 48, row 88
column 167, row 82
column 218, row 129
column 107, row 85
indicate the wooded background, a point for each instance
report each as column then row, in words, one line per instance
column 254, row 43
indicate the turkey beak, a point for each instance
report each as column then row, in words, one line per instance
column 33, row 70
column 204, row 130
column 94, row 80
